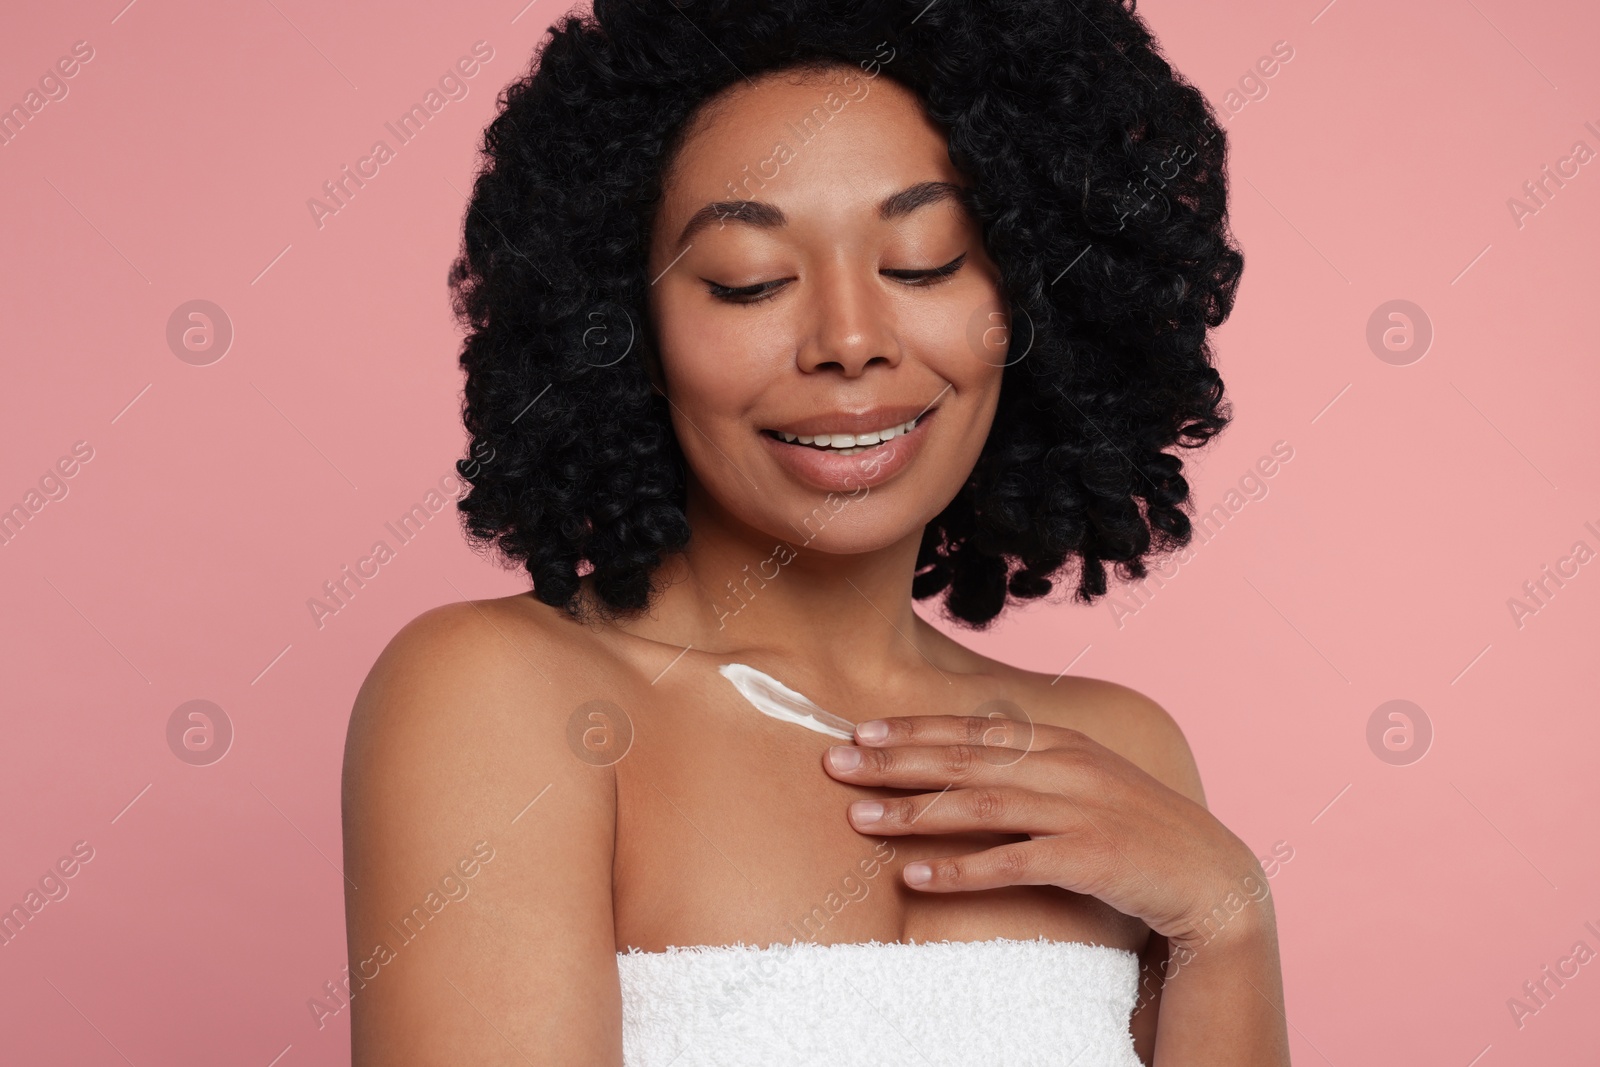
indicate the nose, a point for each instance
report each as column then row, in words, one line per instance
column 850, row 323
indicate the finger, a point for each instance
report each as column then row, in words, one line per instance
column 1018, row 863
column 995, row 809
column 1003, row 725
column 939, row 766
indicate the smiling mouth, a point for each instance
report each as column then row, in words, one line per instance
column 847, row 444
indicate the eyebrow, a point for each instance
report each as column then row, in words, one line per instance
column 767, row 217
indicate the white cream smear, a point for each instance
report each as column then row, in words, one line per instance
column 771, row 697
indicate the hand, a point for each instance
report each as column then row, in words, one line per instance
column 1098, row 824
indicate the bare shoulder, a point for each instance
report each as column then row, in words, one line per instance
column 478, row 848
column 1119, row 717
column 451, row 673
column 478, row 692
column 504, row 635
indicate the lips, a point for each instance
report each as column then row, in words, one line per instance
column 824, row 468
column 854, row 422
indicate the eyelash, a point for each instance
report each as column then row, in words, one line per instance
column 755, row 294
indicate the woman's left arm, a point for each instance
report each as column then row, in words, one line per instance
column 1100, row 825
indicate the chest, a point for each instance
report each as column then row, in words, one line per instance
column 729, row 830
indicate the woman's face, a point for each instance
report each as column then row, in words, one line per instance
column 813, row 274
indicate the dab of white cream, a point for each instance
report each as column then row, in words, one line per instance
column 771, row 697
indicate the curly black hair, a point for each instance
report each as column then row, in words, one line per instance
column 1100, row 185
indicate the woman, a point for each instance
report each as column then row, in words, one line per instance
column 781, row 316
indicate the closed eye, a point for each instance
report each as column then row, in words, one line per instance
column 755, row 294
column 928, row 277
column 747, row 294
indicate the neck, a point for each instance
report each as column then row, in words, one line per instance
column 737, row 589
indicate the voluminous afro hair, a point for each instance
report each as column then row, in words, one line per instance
column 1100, row 185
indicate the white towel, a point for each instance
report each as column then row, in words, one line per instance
column 1000, row 1002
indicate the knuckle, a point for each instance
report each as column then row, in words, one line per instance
column 988, row 804
column 958, row 761
column 998, row 732
column 1071, row 818
column 1076, row 754
column 947, row 872
column 1010, row 863
column 1078, row 742
column 1096, row 779
column 976, row 728
column 899, row 811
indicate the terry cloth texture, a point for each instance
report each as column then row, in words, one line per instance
column 1000, row 1002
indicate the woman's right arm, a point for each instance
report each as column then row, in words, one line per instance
column 478, row 851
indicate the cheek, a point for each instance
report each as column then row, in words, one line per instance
column 716, row 370
column 699, row 354
column 965, row 341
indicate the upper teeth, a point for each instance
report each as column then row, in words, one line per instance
column 850, row 440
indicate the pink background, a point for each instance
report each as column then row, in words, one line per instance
column 1379, row 565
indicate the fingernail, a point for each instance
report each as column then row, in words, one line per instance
column 844, row 757
column 917, row 873
column 876, row 730
column 867, row 811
